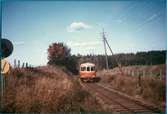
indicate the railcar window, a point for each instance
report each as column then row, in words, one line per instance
column 83, row 68
column 88, row 68
column 92, row 68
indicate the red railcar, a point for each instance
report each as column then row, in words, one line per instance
column 87, row 71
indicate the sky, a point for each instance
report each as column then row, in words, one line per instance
column 130, row 26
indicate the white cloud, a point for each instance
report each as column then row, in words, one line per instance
column 117, row 20
column 83, row 47
column 151, row 18
column 77, row 26
column 148, row 20
column 83, row 44
column 18, row 43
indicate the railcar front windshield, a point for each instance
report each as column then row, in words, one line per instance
column 87, row 68
column 92, row 68
column 83, row 68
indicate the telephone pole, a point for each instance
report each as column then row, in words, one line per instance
column 104, row 41
column 119, row 65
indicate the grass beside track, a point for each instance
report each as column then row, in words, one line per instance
column 46, row 89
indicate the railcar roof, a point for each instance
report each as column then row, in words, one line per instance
column 87, row 64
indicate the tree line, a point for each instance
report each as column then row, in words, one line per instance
column 60, row 54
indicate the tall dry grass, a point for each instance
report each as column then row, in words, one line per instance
column 46, row 89
column 152, row 89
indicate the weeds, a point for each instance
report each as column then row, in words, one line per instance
column 152, row 89
column 45, row 89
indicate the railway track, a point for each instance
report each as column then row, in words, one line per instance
column 115, row 102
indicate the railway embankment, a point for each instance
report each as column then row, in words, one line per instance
column 114, row 101
column 139, row 82
column 45, row 89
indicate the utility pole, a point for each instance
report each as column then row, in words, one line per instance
column 104, row 41
column 119, row 65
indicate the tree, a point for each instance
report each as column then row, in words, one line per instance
column 58, row 50
column 59, row 54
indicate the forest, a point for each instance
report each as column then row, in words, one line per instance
column 59, row 54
